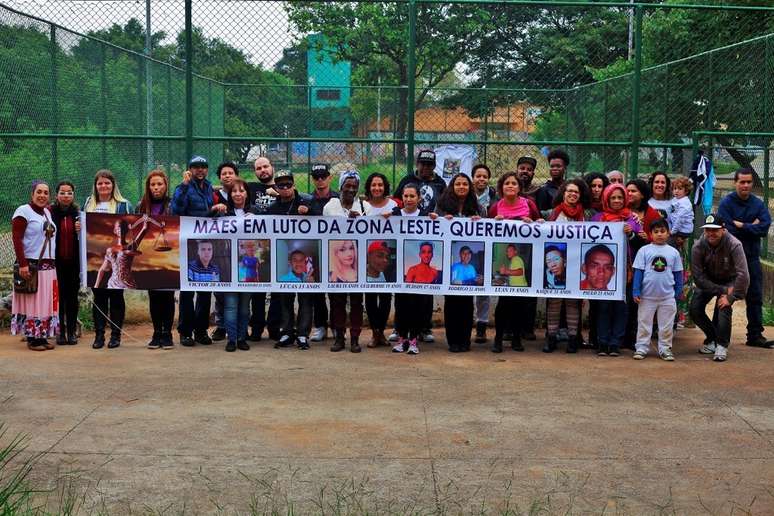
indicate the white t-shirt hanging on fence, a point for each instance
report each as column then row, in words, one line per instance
column 453, row 159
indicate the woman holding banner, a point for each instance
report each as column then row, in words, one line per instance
column 346, row 206
column 511, row 206
column 569, row 204
column 236, row 305
column 458, row 200
column 161, row 303
column 33, row 305
column 106, row 198
column 611, row 315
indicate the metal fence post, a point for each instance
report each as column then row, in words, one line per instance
column 55, row 108
column 635, row 148
column 767, row 119
column 169, row 118
column 141, row 120
column 412, row 72
column 210, row 144
column 103, row 95
column 309, row 134
column 188, row 80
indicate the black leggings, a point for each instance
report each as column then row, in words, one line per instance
column 68, row 281
column 108, row 302
column 410, row 314
column 162, row 309
column 458, row 320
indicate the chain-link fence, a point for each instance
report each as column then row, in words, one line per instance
column 122, row 84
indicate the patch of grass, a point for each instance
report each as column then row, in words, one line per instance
column 768, row 315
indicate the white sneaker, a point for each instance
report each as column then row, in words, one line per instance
column 707, row 349
column 427, row 337
column 639, row 355
column 721, row 352
column 319, row 334
column 667, row 355
column 413, row 349
column 394, row 337
column 400, row 347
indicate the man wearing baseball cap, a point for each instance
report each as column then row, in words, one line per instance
column 431, row 186
column 525, row 169
column 719, row 270
column 194, row 198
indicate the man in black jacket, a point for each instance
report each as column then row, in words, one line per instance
column 431, row 186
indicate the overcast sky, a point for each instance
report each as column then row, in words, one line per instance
column 258, row 28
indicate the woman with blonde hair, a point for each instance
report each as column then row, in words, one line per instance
column 106, row 198
column 342, row 258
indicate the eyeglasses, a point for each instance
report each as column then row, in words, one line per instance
column 283, row 186
column 318, row 177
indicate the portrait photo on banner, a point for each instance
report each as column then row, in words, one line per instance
column 209, row 260
column 423, row 261
column 555, row 271
column 254, row 261
column 381, row 261
column 467, row 263
column 132, row 251
column 511, row 264
column 598, row 266
column 342, row 261
column 298, row 261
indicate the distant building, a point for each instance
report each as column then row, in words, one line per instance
column 330, row 90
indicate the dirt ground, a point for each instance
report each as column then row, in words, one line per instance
column 203, row 431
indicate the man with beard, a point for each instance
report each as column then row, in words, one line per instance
column 262, row 194
column 525, row 169
column 431, row 186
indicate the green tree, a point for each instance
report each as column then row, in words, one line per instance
column 374, row 36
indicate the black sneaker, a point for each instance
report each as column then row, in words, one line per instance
column 550, row 345
column 231, row 346
column 303, row 343
column 243, row 345
column 759, row 342
column 614, row 351
column 187, row 341
column 255, row 335
column 528, row 335
column 219, row 334
column 480, row 333
column 508, row 336
column 516, row 344
column 203, row 339
column 166, row 341
column 284, row 341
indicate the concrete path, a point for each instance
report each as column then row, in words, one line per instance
column 203, row 431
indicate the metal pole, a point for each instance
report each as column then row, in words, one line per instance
column 169, row 118
column 766, row 169
column 635, row 149
column 665, row 103
column 767, row 71
column 412, row 72
column 309, row 133
column 209, row 116
column 379, row 106
column 188, row 80
column 630, row 47
column 142, row 162
column 54, row 107
column 148, row 87
column 103, row 94
column 605, row 151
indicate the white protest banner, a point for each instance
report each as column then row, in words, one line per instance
column 403, row 254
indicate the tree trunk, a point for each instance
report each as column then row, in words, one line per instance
column 742, row 158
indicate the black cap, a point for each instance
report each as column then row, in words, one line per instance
column 320, row 170
column 198, row 161
column 284, row 174
column 713, row 221
column 426, row 156
column 527, row 159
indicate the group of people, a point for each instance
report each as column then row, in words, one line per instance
column 657, row 214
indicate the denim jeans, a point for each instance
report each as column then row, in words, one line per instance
column 236, row 314
column 718, row 331
column 611, row 323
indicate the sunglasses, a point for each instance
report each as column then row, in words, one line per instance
column 283, row 186
column 317, row 177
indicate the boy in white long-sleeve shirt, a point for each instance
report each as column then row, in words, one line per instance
column 658, row 283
